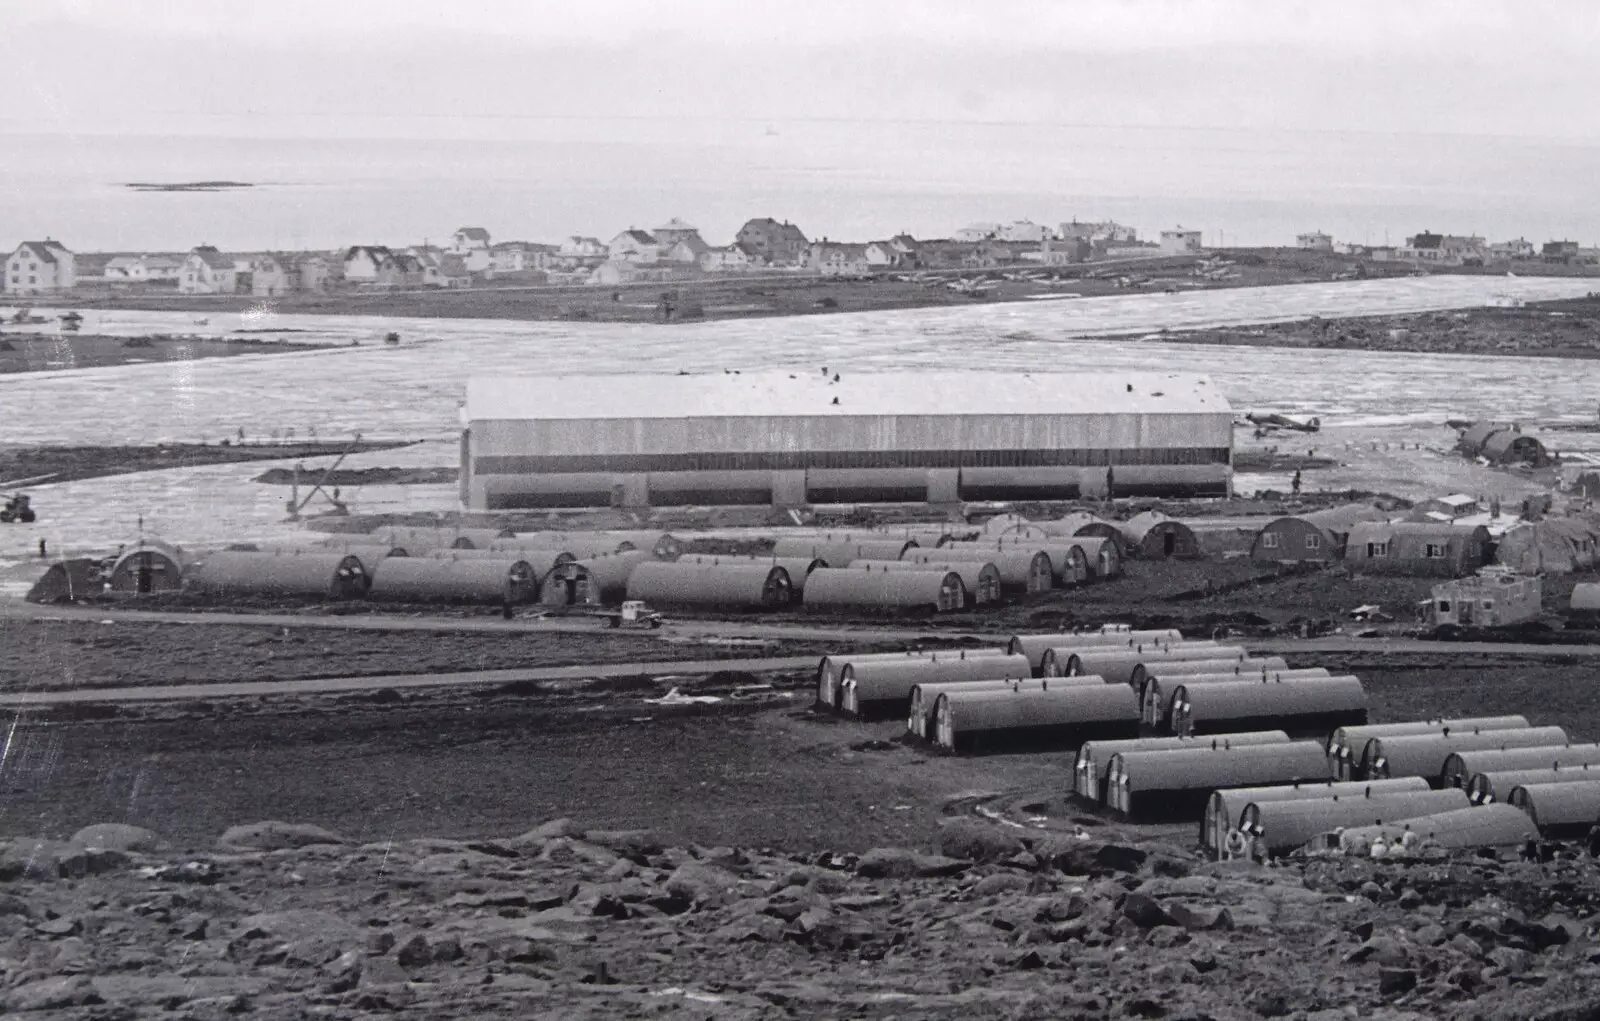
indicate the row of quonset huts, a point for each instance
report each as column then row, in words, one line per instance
column 1261, row 755
column 933, row 570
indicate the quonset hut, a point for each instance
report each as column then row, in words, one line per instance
column 799, row 438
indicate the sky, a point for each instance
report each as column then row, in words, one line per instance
column 467, row 68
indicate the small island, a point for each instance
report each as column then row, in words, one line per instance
column 189, row 186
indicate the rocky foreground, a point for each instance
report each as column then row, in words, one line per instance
column 290, row 921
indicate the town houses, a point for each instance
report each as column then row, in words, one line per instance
column 676, row 250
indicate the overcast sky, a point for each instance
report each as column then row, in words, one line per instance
column 438, row 68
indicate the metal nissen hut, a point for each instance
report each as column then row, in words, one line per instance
column 1226, row 807
column 1175, row 785
column 1317, row 537
column 1460, row 767
column 799, row 568
column 938, row 591
column 776, row 437
column 1023, row 572
column 328, row 575
column 1560, row 810
column 1346, row 744
column 1424, row 754
column 881, row 689
column 1089, row 776
column 149, row 565
column 435, row 579
column 982, row 580
column 1313, row 705
column 1035, row 646
column 1442, row 549
column 1496, row 827
column 745, row 586
column 1495, row 785
column 1053, row 716
column 831, row 668
column 1278, row 827
column 1154, row 536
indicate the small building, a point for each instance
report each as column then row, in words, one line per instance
column 1559, row 251
column 1417, row 548
column 884, row 255
column 208, row 271
column 368, row 264
column 1318, row 537
column 635, row 246
column 675, row 230
column 1154, row 536
column 1024, row 230
column 834, row 259
column 38, row 267
column 1105, row 232
column 578, row 252
column 1550, row 546
column 729, row 259
column 977, row 232
column 1315, row 241
column 1521, row 248
column 1448, row 508
column 1494, row 597
column 470, row 239
column 1180, row 241
column 687, row 250
column 1064, row 252
column 778, row 244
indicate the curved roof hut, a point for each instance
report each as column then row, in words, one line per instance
column 149, row 565
column 1101, row 529
column 1278, row 827
column 326, row 575
column 1585, row 598
column 1012, row 524
column 1225, row 808
column 1460, row 767
column 1496, row 827
column 369, row 552
column 1424, row 754
column 980, row 578
column 1438, row 550
column 1511, row 446
column 432, row 579
column 1119, row 665
column 831, row 668
column 1157, row 692
column 1346, row 744
column 842, row 553
column 1243, row 665
column 925, row 696
column 1496, row 785
column 1029, row 572
column 1154, row 536
column 1561, row 811
column 1070, row 525
column 757, row 586
column 608, row 575
column 1551, row 546
column 799, row 568
column 1174, row 785
column 1069, row 558
column 881, row 689
column 1473, row 437
column 1053, row 716
column 569, row 584
column 419, row 538
column 67, row 581
column 1035, row 646
column 1313, row 705
column 937, row 591
column 1294, row 540
column 1102, row 555
column 1089, row 768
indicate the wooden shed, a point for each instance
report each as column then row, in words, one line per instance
column 1346, row 744
column 757, row 586
column 1154, row 536
column 1441, row 550
column 1274, row 828
column 1424, row 754
column 1561, row 811
column 149, row 565
column 438, row 579
column 1174, row 785
column 1225, row 808
column 1315, row 705
column 1089, row 768
column 881, row 689
column 1051, row 717
column 937, row 591
column 326, row 575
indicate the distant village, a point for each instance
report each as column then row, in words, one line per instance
column 675, row 252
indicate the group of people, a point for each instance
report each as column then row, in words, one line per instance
column 1409, row 844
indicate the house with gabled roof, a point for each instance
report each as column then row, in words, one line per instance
column 687, row 250
column 831, row 258
column 39, row 266
column 635, row 246
column 365, row 264
column 778, row 244
column 730, row 259
column 675, row 230
column 208, row 271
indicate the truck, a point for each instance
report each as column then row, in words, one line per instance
column 633, row 613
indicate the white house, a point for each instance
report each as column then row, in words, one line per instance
column 675, row 230
column 977, row 232
column 1180, row 241
column 576, row 247
column 687, row 250
column 729, row 259
column 1023, row 230
column 38, row 266
column 833, row 259
column 208, row 271
column 469, row 239
column 506, row 257
column 883, row 254
column 634, row 246
column 367, row 263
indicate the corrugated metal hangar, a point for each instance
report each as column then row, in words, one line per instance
column 797, row 438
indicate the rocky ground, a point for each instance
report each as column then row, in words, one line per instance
column 66, row 464
column 291, row 921
column 30, row 352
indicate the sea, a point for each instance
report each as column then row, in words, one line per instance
column 324, row 184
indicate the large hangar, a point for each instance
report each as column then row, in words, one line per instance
column 805, row 438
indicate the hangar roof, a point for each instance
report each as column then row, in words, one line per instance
column 781, row 394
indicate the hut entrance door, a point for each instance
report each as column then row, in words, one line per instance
column 1169, row 544
column 143, row 574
